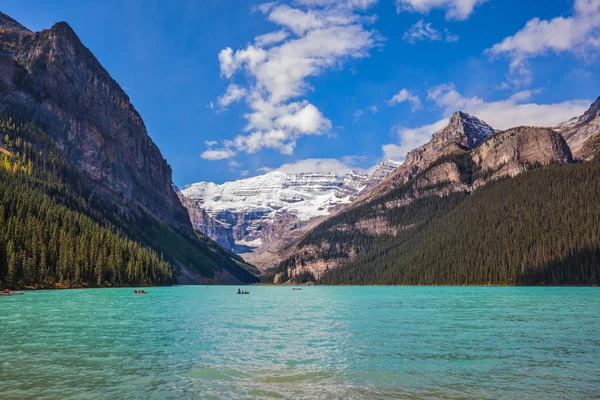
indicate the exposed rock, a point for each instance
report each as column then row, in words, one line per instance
column 446, row 172
column 354, row 182
column 218, row 231
column 53, row 79
column 511, row 151
column 583, row 133
column 463, row 132
column 266, row 213
column 506, row 153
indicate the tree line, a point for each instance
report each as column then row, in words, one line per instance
column 52, row 230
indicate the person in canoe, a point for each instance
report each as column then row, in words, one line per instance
column 7, row 291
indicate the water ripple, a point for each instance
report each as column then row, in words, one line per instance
column 323, row 342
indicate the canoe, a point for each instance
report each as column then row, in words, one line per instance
column 140, row 293
column 10, row 294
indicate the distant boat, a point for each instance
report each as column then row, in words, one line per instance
column 296, row 288
column 10, row 293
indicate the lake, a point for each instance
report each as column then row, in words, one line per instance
column 320, row 342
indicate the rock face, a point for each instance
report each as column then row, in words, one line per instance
column 583, row 133
column 511, row 151
column 52, row 80
column 50, row 77
column 212, row 228
column 250, row 215
column 463, row 132
column 448, row 164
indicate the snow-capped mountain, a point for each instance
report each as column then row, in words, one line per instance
column 264, row 208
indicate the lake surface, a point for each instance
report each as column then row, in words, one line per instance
column 321, row 342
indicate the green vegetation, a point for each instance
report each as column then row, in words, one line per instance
column 54, row 232
column 51, row 234
column 539, row 228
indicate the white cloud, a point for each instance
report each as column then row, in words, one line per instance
column 351, row 4
column 374, row 109
column 514, row 111
column 211, row 143
column 244, row 173
column 318, row 165
column 578, row 34
column 405, row 95
column 455, row 9
column 410, row 138
column 233, row 94
column 421, row 31
column 271, row 38
column 326, row 34
column 217, row 154
column 234, row 164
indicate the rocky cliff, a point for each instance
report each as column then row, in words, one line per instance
column 258, row 217
column 511, row 151
column 51, row 80
column 463, row 132
column 583, row 133
column 449, row 164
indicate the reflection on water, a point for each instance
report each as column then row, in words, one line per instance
column 346, row 342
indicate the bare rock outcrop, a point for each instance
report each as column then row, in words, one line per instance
column 510, row 152
column 583, row 133
column 51, row 78
column 463, row 132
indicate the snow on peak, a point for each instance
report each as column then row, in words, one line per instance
column 305, row 195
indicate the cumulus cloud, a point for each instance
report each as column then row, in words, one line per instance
column 210, row 143
column 317, row 165
column 516, row 110
column 409, row 139
column 455, row 9
column 217, row 154
column 244, row 173
column 578, row 34
column 271, row 38
column 403, row 96
column 421, row 31
column 233, row 94
column 315, row 36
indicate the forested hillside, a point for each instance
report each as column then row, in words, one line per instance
column 87, row 196
column 54, row 232
column 538, row 228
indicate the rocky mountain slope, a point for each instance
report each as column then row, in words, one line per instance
column 250, row 215
column 463, row 132
column 52, row 80
column 583, row 133
column 434, row 180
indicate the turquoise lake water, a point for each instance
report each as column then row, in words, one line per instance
column 321, row 342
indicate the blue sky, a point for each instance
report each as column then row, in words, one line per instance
column 336, row 84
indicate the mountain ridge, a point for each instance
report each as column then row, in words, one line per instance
column 446, row 170
column 252, row 214
column 51, row 80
